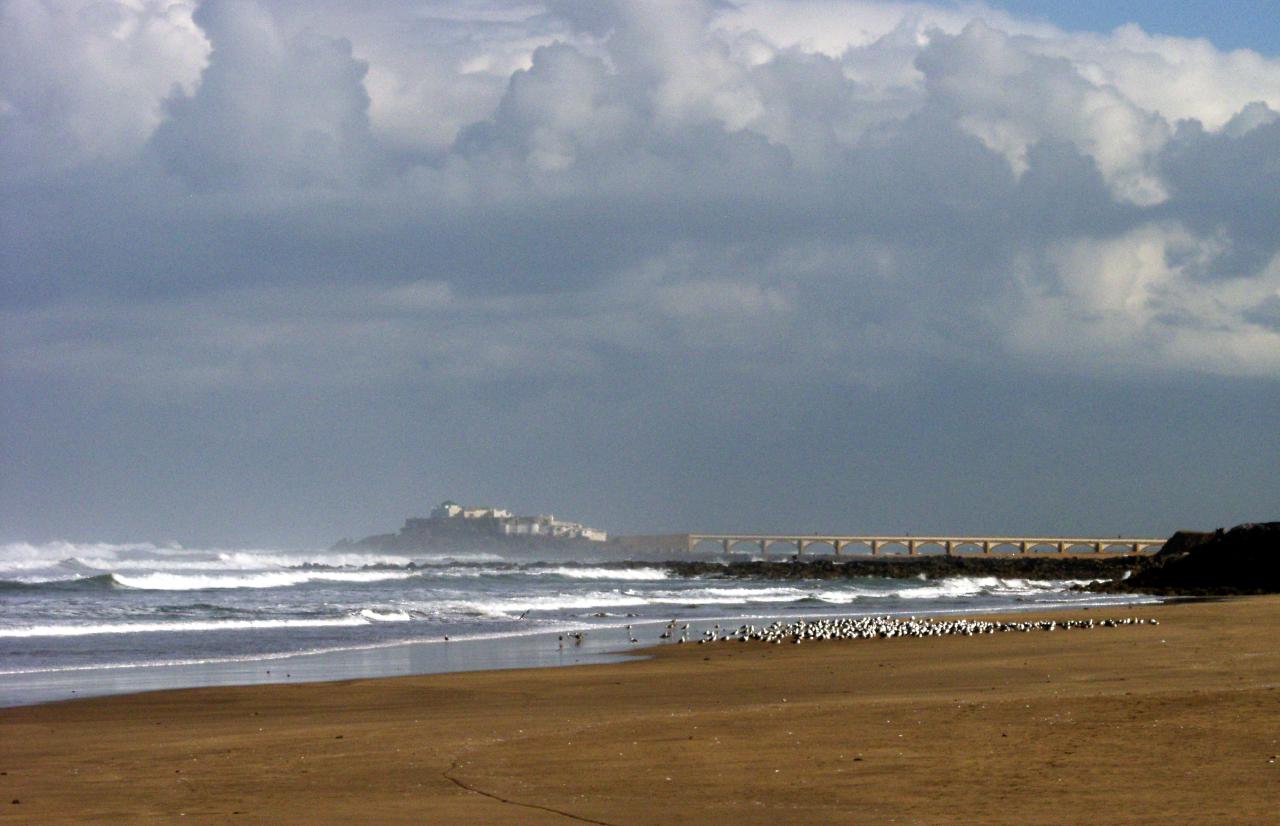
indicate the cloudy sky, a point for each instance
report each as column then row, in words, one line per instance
column 276, row 272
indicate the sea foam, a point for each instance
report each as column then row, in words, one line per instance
column 177, row 626
column 269, row 579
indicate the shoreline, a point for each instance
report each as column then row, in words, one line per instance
column 603, row 643
column 1177, row 722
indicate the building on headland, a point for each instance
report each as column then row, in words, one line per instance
column 453, row 526
column 508, row 524
column 551, row 527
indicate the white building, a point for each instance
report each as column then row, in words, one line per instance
column 485, row 512
column 452, row 510
column 550, row 526
column 512, row 525
column 525, row 526
column 446, row 510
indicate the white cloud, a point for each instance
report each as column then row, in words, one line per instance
column 462, row 191
column 833, row 27
column 1010, row 98
column 1134, row 301
column 1173, row 77
column 564, row 104
column 270, row 107
column 85, row 80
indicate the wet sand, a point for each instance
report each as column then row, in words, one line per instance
column 1176, row 723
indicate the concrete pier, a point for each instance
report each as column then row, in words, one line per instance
column 799, row 544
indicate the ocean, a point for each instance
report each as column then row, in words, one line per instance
column 88, row 619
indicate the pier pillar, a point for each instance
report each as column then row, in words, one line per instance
column 949, row 546
column 875, row 547
column 837, row 545
column 799, row 547
column 1022, row 547
column 1062, row 547
column 986, row 547
column 911, row 547
column 727, row 545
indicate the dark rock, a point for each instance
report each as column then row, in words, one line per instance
column 1183, row 541
column 1243, row 560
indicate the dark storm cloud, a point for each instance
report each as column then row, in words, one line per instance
column 1229, row 182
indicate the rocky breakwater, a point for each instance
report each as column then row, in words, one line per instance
column 1243, row 560
column 904, row 567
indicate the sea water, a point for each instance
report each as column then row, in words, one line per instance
column 84, row 619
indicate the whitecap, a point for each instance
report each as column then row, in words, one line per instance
column 377, row 615
column 162, row 581
column 605, row 573
column 155, row 627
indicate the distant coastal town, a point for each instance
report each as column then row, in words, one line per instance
column 452, row 525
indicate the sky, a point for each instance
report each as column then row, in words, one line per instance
column 1233, row 24
column 275, row 272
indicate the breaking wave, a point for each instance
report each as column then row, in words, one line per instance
column 269, row 579
column 74, row 583
column 153, row 627
column 568, row 572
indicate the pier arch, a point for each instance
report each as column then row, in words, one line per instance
column 818, row 547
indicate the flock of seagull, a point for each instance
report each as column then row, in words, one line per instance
column 873, row 628
column 867, row 628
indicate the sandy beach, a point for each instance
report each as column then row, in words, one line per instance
column 1178, row 723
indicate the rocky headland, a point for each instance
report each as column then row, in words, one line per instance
column 454, row 528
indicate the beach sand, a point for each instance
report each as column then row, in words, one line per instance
column 1175, row 723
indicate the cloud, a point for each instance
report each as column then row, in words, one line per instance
column 289, row 110
column 566, row 103
column 85, row 81
column 1228, row 184
column 1135, row 301
column 1010, row 98
column 367, row 336
column 291, row 192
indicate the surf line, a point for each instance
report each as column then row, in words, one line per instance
column 447, row 774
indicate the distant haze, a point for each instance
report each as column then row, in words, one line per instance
column 275, row 273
